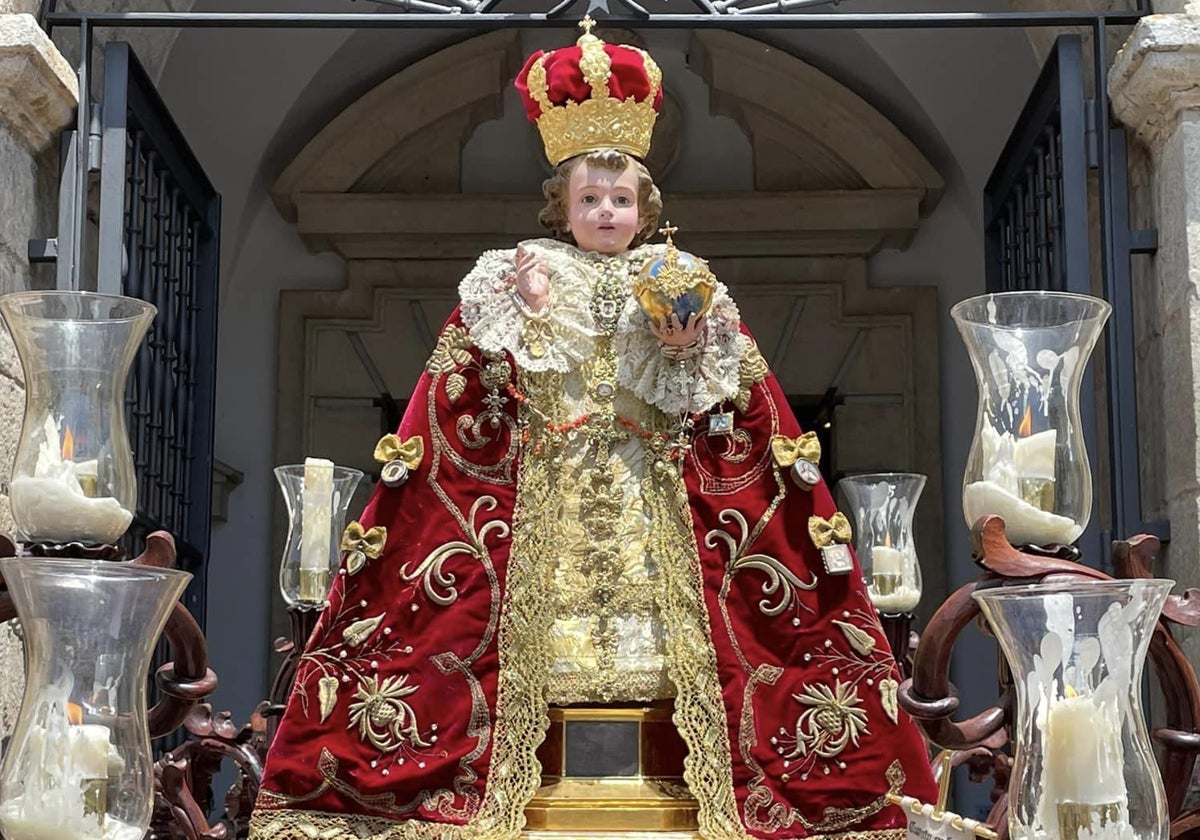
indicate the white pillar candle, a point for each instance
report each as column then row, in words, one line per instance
column 90, row 745
column 886, row 560
column 1083, row 754
column 316, row 514
column 1034, row 455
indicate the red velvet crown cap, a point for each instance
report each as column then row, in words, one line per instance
column 565, row 81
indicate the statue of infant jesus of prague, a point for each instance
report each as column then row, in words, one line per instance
column 598, row 495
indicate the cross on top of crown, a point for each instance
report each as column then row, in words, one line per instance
column 668, row 230
column 587, row 24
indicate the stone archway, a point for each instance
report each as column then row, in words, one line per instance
column 834, row 182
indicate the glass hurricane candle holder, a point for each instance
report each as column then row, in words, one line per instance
column 1028, row 461
column 73, row 479
column 1083, row 768
column 317, row 494
column 79, row 766
column 883, row 505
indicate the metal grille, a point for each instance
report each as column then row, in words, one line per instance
column 1036, row 211
column 158, row 242
column 159, row 225
column 1037, row 237
column 1035, row 203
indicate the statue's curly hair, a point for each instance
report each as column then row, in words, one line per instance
column 554, row 216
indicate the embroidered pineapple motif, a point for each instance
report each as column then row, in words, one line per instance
column 382, row 716
column 833, row 720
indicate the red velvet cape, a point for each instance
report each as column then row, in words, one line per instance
column 393, row 727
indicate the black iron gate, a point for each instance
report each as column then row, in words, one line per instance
column 158, row 241
column 159, row 225
column 1037, row 236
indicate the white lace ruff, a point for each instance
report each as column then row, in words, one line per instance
column 495, row 315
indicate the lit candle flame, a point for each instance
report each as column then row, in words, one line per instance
column 68, row 445
column 1026, row 427
column 74, row 714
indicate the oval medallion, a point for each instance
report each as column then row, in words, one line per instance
column 394, row 473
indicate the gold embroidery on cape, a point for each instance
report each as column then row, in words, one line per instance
column 859, row 639
column 889, row 698
column 430, row 569
column 334, row 658
column 383, row 718
column 757, row 463
column 327, row 696
column 833, row 720
column 739, row 446
column 753, row 369
column 762, row 811
column 453, row 352
column 361, row 630
column 479, row 727
column 456, row 386
column 327, row 768
column 780, row 579
column 499, row 473
column 832, row 724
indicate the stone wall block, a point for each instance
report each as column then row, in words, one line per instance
column 38, row 90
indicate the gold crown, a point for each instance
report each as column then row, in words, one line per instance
column 600, row 121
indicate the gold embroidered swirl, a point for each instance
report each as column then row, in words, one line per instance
column 780, row 578
column 430, row 569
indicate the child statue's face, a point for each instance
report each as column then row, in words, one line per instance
column 602, row 209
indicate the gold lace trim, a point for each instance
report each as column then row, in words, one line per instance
column 524, row 640
column 629, row 685
column 305, row 825
column 692, row 661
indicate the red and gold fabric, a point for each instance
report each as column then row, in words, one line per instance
column 420, row 701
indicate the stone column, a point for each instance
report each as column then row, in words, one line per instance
column 1155, row 89
column 37, row 99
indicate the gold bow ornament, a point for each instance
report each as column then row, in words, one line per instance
column 833, row 537
column 802, row 454
column 399, row 458
column 362, row 545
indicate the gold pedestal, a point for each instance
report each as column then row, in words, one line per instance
column 612, row 769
